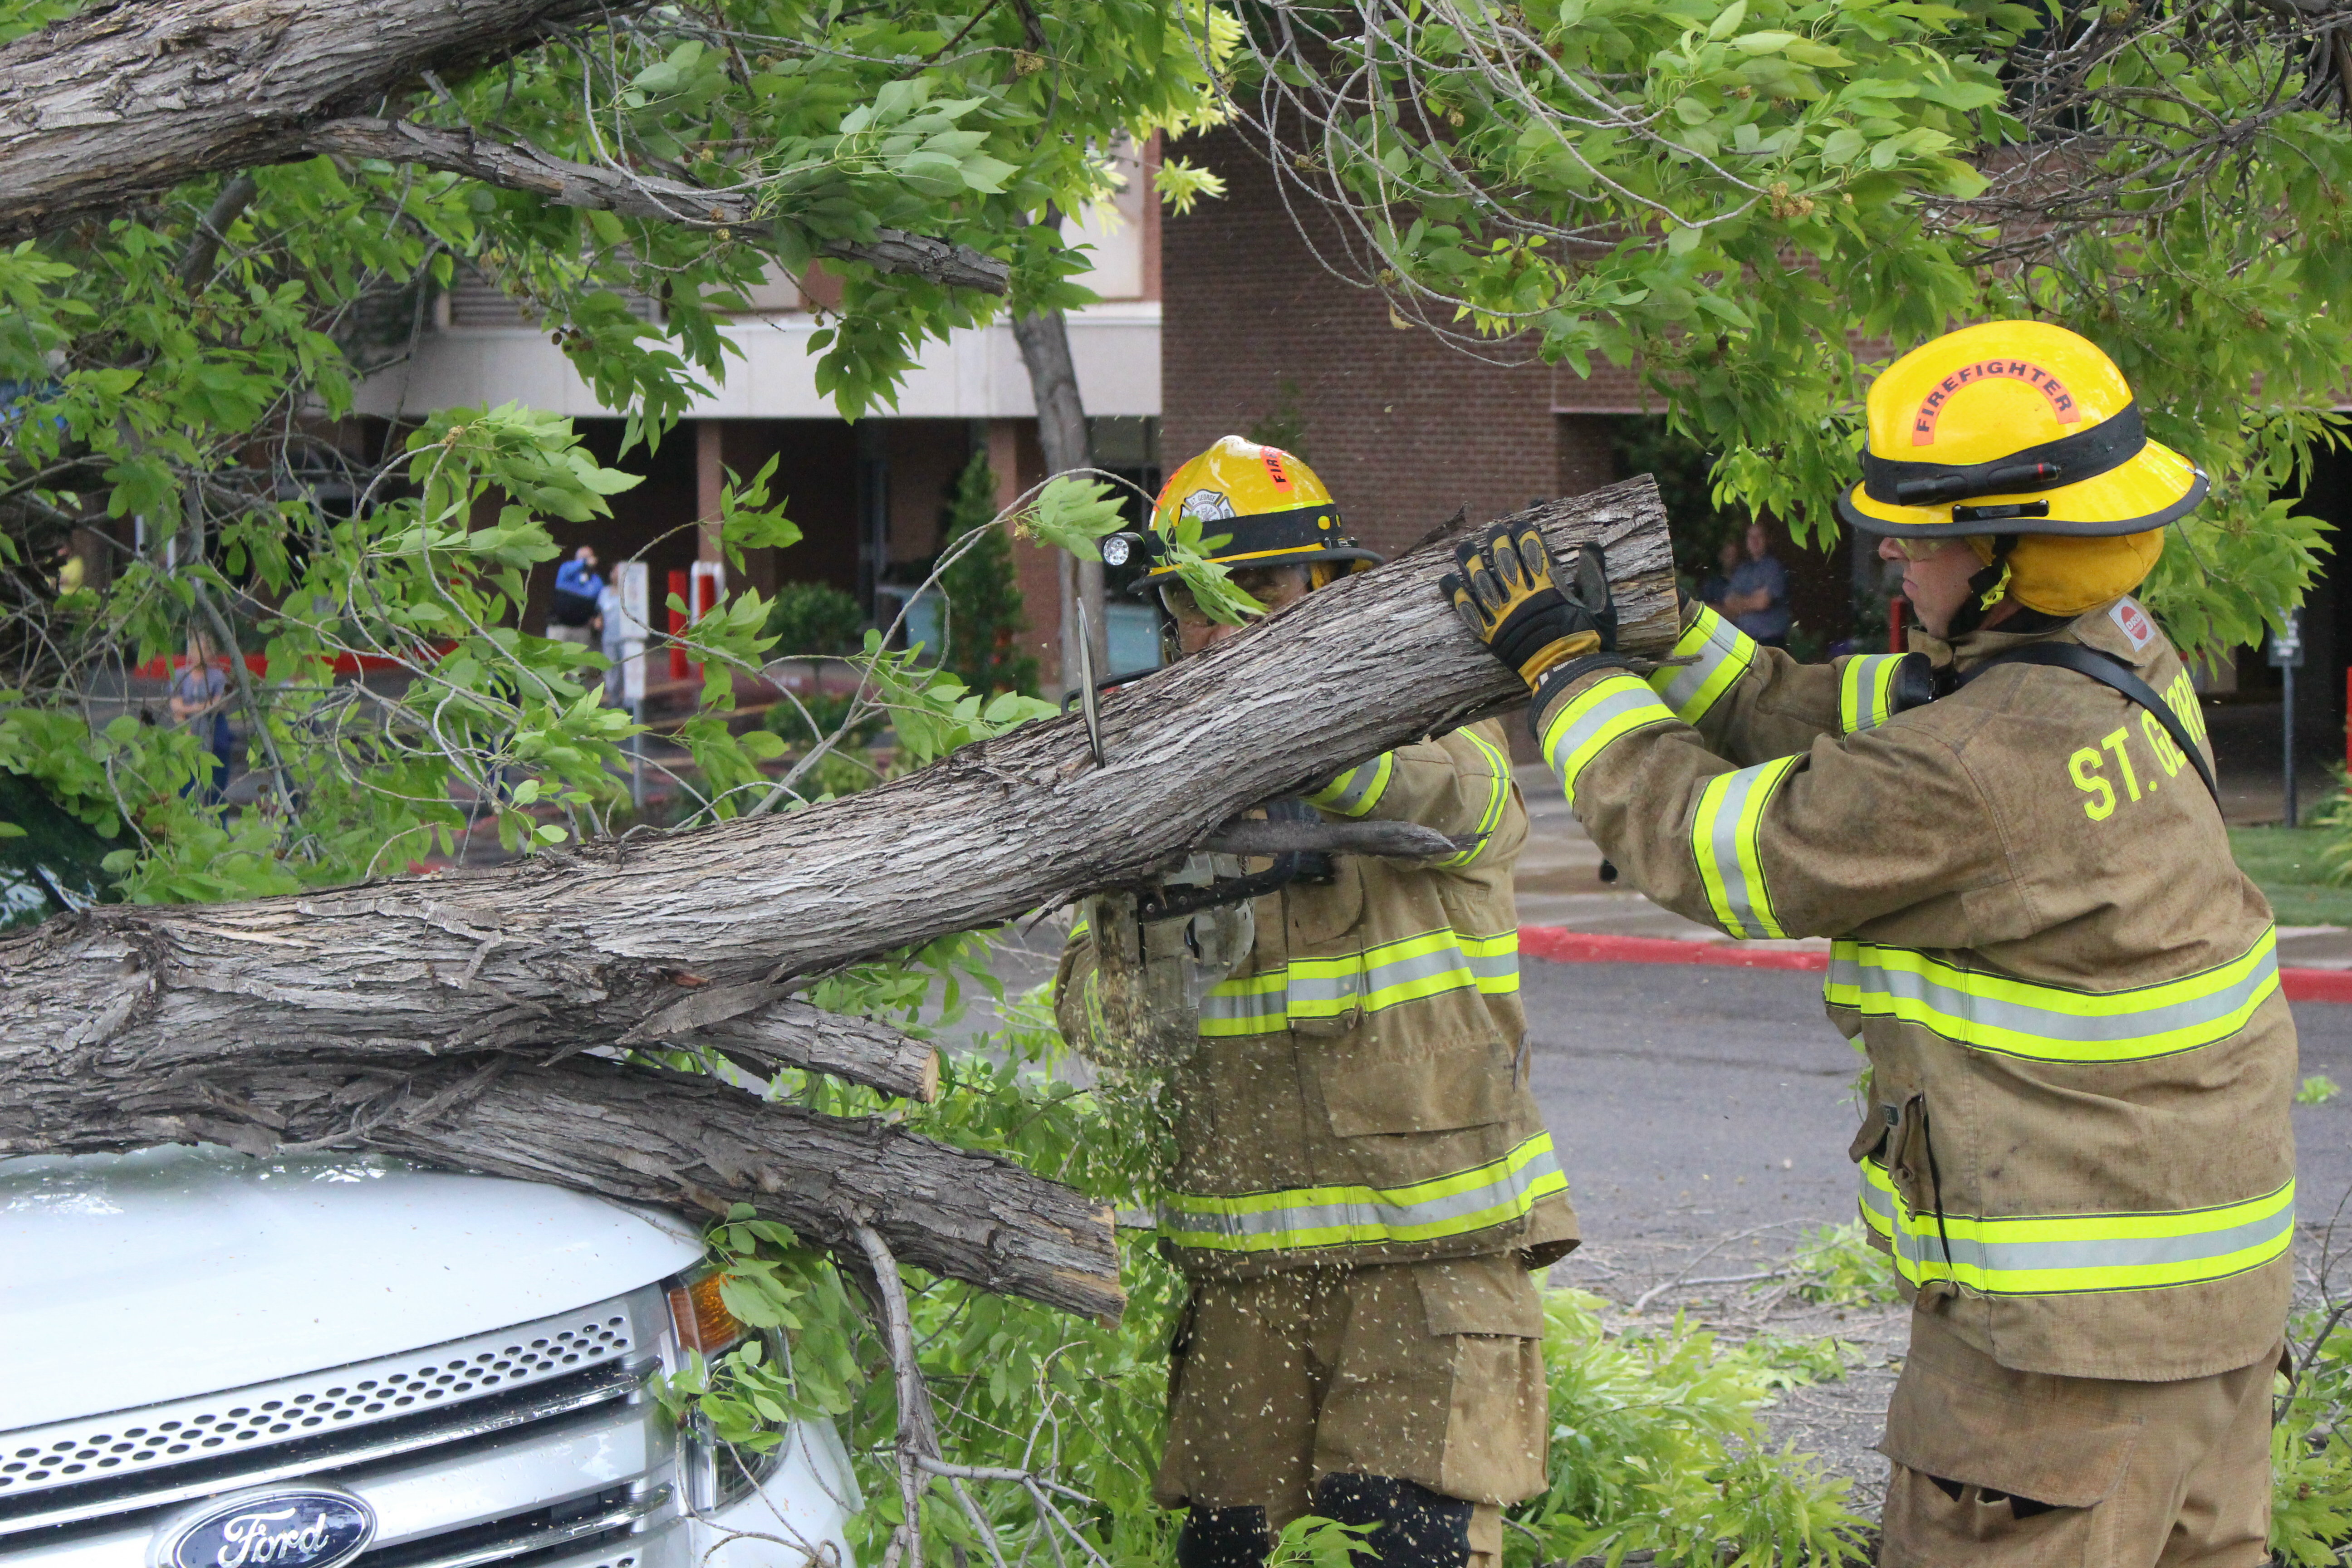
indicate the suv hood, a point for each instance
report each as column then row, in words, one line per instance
column 130, row 1279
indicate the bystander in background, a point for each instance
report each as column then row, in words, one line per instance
column 1758, row 597
column 612, row 625
column 1712, row 588
column 202, row 692
column 573, row 616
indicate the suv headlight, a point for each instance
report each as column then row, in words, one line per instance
column 717, row 1474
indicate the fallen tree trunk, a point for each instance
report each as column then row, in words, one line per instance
column 695, row 940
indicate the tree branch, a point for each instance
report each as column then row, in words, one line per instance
column 518, row 166
column 682, row 1141
column 213, row 227
column 649, row 941
column 124, row 101
column 474, row 994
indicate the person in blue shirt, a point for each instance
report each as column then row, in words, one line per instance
column 573, row 616
column 1758, row 597
column 200, row 700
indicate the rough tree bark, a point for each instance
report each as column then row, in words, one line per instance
column 642, row 1134
column 124, row 101
column 695, row 940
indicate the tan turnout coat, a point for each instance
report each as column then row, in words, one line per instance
column 1358, row 1095
column 2076, row 1142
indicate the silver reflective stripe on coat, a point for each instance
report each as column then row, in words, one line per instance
column 1499, row 1192
column 2008, row 1017
column 1359, row 789
column 1582, row 727
column 1724, row 653
column 2047, row 1254
column 1724, row 842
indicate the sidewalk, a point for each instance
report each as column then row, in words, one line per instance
column 1559, row 885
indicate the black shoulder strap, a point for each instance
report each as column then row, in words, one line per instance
column 2109, row 670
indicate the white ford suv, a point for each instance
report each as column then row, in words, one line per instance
column 215, row 1362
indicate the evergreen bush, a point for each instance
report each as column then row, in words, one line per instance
column 985, row 619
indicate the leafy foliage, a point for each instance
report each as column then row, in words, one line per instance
column 1760, row 202
column 1836, row 1267
column 2311, row 1446
column 1703, row 523
column 187, row 430
column 1655, row 1446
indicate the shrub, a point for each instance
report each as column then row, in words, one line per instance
column 815, row 618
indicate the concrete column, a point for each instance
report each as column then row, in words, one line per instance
column 709, row 485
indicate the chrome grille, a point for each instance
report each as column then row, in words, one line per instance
column 557, row 1464
column 600, row 1524
column 390, row 1388
column 427, row 1432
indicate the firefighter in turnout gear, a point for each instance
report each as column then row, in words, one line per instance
column 1362, row 1181
column 2076, row 1145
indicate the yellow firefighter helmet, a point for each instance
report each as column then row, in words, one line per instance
column 1269, row 508
column 2025, row 435
column 2013, row 428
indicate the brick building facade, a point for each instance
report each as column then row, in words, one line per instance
column 1257, row 332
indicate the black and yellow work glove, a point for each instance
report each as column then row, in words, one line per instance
column 1505, row 591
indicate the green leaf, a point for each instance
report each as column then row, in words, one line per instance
column 1071, row 514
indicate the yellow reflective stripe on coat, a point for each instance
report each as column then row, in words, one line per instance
column 2053, row 1255
column 1724, row 653
column 1613, row 706
column 1722, row 837
column 1403, row 971
column 1494, row 960
column 1253, row 1004
column 1866, row 690
column 1357, row 790
column 2012, row 1018
column 1499, row 795
column 1388, row 976
column 1499, row 1192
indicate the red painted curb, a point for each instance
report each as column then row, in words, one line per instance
column 1559, row 945
column 2316, row 984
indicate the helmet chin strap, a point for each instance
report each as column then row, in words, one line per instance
column 1985, row 590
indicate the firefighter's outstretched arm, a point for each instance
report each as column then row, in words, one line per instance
column 1765, row 850
column 1752, row 704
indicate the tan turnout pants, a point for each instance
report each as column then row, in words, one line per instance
column 1998, row 1468
column 1431, row 1372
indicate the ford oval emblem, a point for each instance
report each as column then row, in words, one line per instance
column 274, row 1527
